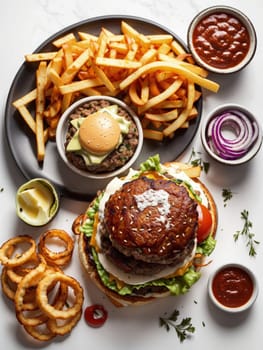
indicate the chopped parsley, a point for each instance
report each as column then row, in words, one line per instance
column 227, row 195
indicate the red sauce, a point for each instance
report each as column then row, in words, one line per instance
column 221, row 40
column 95, row 315
column 232, row 286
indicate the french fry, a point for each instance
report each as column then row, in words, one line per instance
column 133, row 33
column 74, row 66
column 170, row 66
column 26, row 115
column 162, row 117
column 160, row 39
column 103, row 77
column 41, row 79
column 26, row 99
column 161, row 97
column 42, row 56
column 68, row 38
column 153, row 134
column 185, row 113
column 144, row 90
column 87, row 36
column 79, row 85
column 134, row 95
column 118, row 63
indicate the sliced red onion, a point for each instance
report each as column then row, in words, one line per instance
column 245, row 129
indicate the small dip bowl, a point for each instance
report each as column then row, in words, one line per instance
column 37, row 202
column 231, row 134
column 124, row 155
column 222, row 39
column 233, row 288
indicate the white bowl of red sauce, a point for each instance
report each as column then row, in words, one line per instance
column 231, row 134
column 222, row 39
column 233, row 288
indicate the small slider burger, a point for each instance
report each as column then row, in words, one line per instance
column 146, row 235
column 101, row 137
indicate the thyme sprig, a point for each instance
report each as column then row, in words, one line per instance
column 183, row 329
column 195, row 159
column 246, row 232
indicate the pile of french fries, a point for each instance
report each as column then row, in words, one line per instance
column 152, row 73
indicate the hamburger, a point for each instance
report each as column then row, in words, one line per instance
column 146, row 235
column 101, row 136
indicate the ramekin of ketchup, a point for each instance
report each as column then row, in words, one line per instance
column 233, row 287
column 222, row 39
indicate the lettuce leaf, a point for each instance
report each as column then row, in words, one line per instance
column 207, row 246
column 152, row 163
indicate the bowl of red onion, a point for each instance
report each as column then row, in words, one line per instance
column 231, row 134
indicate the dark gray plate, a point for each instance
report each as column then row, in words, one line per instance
column 22, row 144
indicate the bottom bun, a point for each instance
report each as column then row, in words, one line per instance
column 115, row 298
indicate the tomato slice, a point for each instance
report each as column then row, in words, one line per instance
column 95, row 315
column 204, row 222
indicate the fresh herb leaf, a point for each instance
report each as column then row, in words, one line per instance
column 246, row 232
column 227, row 195
column 182, row 329
column 1, row 189
column 196, row 160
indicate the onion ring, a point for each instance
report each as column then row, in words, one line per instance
column 65, row 327
column 30, row 280
column 58, row 258
column 16, row 273
column 52, row 311
column 20, row 258
column 8, row 287
column 38, row 333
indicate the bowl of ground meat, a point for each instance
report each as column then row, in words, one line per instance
column 99, row 137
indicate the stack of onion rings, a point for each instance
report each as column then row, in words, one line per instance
column 47, row 301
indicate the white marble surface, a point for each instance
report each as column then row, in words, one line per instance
column 23, row 26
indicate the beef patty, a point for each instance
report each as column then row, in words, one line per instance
column 148, row 225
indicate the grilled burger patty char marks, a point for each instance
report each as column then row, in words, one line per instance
column 149, row 224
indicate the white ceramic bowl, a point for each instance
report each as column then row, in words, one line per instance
column 62, row 131
column 218, row 111
column 246, row 305
column 215, row 42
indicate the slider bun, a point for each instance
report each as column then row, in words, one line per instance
column 99, row 133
